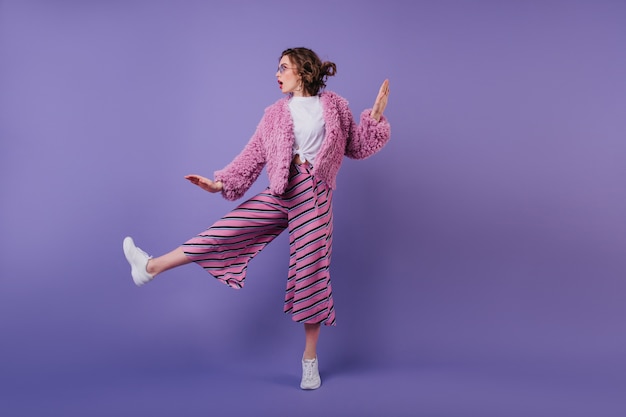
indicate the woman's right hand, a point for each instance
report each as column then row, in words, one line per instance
column 205, row 183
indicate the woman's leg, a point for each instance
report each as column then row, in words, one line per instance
column 310, row 368
column 311, row 336
column 143, row 268
column 225, row 249
column 168, row 261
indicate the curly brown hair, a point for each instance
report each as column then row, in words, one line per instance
column 310, row 67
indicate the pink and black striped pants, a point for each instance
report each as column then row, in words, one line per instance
column 305, row 208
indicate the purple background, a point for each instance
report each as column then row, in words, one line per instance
column 478, row 267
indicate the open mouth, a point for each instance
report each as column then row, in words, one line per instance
column 280, row 84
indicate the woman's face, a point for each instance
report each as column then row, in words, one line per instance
column 288, row 79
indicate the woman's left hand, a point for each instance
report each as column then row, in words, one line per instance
column 381, row 101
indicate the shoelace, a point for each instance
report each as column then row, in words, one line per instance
column 143, row 253
column 308, row 370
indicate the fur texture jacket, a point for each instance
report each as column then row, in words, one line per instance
column 271, row 146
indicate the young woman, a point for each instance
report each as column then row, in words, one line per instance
column 301, row 141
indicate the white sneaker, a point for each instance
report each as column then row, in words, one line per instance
column 310, row 374
column 138, row 261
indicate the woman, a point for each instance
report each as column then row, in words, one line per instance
column 301, row 140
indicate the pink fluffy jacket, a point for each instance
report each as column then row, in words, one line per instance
column 272, row 146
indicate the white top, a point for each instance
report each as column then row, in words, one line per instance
column 308, row 126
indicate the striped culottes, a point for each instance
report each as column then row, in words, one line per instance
column 225, row 249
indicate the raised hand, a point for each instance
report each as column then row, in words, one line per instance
column 381, row 101
column 205, row 183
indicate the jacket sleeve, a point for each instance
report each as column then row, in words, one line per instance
column 368, row 137
column 239, row 175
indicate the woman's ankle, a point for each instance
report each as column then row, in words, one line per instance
column 150, row 268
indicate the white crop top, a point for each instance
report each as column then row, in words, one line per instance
column 308, row 126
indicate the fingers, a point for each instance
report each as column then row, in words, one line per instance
column 381, row 100
column 384, row 88
column 204, row 183
column 198, row 178
column 200, row 181
column 383, row 92
column 195, row 179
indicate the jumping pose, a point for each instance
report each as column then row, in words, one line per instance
column 301, row 141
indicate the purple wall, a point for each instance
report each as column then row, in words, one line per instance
column 488, row 237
